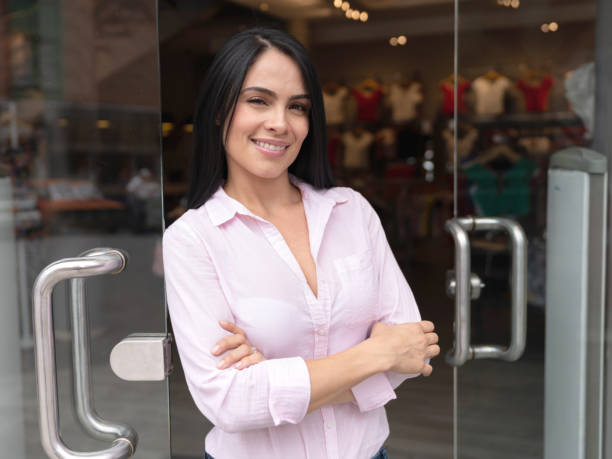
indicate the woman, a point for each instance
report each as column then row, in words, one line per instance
column 299, row 272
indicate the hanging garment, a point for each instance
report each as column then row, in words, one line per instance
column 448, row 103
column 404, row 101
column 367, row 104
column 357, row 149
column 501, row 193
column 490, row 94
column 465, row 143
column 536, row 96
column 334, row 106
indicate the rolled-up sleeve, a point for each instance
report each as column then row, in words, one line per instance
column 270, row 393
column 396, row 304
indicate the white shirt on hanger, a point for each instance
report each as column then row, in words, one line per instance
column 334, row 106
column 404, row 101
column 356, row 149
column 490, row 94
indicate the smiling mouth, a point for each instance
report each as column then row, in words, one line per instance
column 270, row 147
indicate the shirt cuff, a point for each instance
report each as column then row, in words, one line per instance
column 373, row 392
column 289, row 389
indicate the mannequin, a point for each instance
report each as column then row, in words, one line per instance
column 535, row 85
column 334, row 100
column 447, row 86
column 490, row 89
column 368, row 94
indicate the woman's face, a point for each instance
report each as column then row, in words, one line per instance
column 270, row 119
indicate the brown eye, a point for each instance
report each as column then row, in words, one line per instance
column 299, row 107
column 256, row 101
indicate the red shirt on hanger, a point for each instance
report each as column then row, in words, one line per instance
column 367, row 104
column 448, row 103
column 536, row 96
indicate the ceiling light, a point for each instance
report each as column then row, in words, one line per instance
column 507, row 2
column 401, row 40
column 544, row 28
column 337, row 3
column 515, row 3
column 349, row 13
column 345, row 6
column 363, row 17
column 393, row 41
column 355, row 14
column 553, row 26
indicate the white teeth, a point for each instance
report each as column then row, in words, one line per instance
column 268, row 146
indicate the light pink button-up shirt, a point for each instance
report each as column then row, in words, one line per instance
column 222, row 262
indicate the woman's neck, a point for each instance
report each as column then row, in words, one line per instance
column 264, row 197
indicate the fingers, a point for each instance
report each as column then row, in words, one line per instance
column 427, row 369
column 427, row 326
column 432, row 351
column 234, row 356
column 249, row 360
column 431, row 338
column 229, row 342
column 231, row 327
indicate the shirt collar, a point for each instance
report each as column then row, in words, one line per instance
column 222, row 208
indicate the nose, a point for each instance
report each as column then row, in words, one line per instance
column 276, row 120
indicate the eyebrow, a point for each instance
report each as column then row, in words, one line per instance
column 272, row 93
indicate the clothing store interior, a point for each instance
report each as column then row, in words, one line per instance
column 96, row 131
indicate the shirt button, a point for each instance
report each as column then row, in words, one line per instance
column 321, row 332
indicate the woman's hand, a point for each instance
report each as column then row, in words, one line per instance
column 406, row 347
column 240, row 348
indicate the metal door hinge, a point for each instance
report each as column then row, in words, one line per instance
column 143, row 357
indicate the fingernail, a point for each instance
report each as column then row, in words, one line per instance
column 220, row 363
column 215, row 349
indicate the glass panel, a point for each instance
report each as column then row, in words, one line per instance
column 80, row 168
column 406, row 49
column 525, row 83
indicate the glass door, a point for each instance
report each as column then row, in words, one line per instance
column 80, row 165
column 524, row 83
column 403, row 50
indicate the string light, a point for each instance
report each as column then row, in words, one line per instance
column 351, row 13
column 393, row 41
column 550, row 27
column 401, row 40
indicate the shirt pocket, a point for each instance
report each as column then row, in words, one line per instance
column 357, row 292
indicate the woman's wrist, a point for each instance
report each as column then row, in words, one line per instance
column 374, row 352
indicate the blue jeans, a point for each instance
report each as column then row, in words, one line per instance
column 381, row 454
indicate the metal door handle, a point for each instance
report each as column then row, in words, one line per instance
column 461, row 351
column 92, row 263
column 458, row 227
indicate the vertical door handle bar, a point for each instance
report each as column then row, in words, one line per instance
column 95, row 263
column 518, row 284
column 86, row 413
column 461, row 350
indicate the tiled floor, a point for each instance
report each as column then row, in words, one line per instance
column 500, row 404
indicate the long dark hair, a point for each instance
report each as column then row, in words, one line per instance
column 217, row 101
